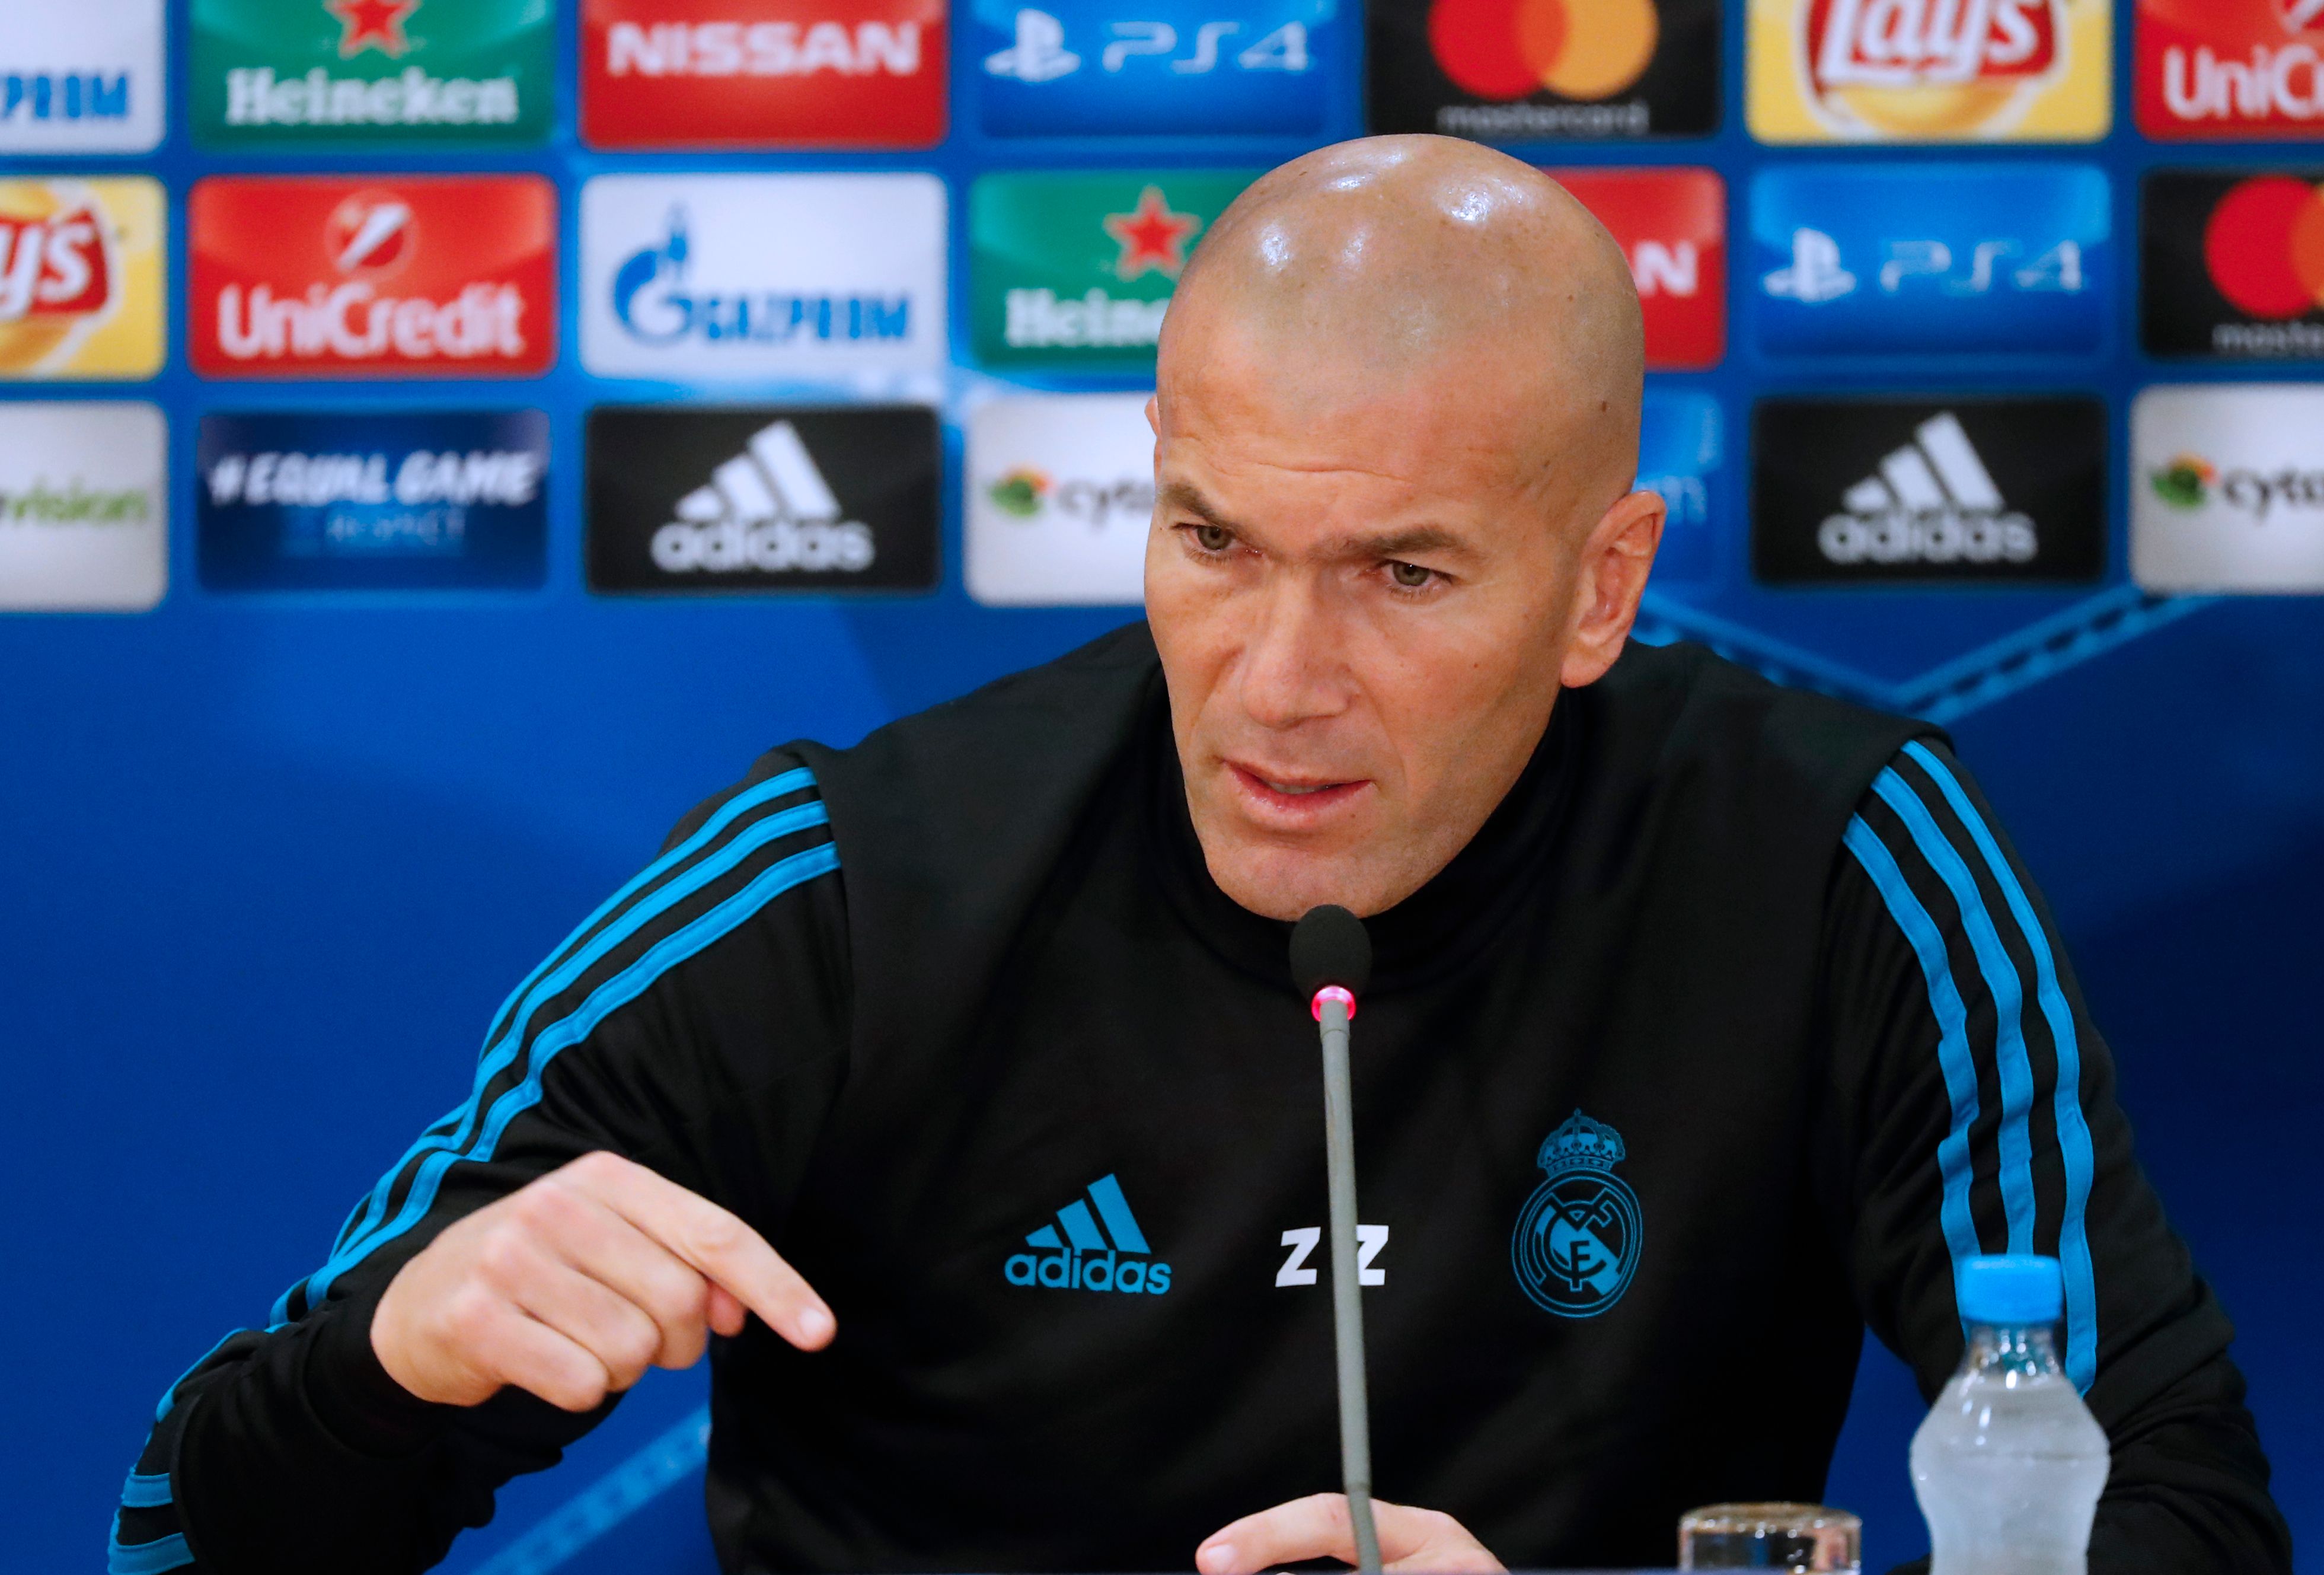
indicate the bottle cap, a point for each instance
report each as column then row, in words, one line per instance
column 2014, row 1288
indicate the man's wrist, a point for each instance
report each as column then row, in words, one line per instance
column 353, row 1396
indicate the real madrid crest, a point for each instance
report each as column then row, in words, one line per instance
column 1578, row 1238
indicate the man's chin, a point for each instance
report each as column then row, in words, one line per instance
column 1277, row 882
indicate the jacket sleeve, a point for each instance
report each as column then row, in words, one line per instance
column 1977, row 1113
column 695, row 1023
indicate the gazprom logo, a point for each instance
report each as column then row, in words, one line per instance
column 656, row 303
column 66, row 96
column 1075, row 1255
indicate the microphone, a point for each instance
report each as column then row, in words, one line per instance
column 1331, row 964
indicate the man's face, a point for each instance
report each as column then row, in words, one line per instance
column 1362, row 596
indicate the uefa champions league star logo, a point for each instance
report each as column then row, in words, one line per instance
column 1577, row 1242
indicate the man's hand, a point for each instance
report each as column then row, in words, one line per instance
column 1421, row 1541
column 573, row 1285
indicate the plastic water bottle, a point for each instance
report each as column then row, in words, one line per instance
column 2009, row 1465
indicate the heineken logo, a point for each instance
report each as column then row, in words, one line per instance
column 1151, row 235
column 369, row 70
column 372, row 24
column 1077, row 268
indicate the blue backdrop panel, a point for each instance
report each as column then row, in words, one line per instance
column 268, row 863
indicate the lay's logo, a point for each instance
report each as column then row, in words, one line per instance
column 80, row 278
column 1930, row 70
column 1877, row 43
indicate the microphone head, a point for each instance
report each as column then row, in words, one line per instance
column 1329, row 946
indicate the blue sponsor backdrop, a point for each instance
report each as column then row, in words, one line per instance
column 1681, row 446
column 268, row 863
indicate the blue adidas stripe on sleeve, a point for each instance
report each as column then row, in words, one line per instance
column 1931, row 854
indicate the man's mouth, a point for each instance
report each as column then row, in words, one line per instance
column 1283, row 796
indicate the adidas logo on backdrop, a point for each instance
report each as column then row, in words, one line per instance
column 768, row 508
column 1075, row 1255
column 763, row 497
column 1931, row 501
column 2006, row 490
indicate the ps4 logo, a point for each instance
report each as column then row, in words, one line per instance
column 1039, row 53
column 655, row 304
column 1818, row 273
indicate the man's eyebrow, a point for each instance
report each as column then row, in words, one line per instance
column 1407, row 543
column 1186, row 496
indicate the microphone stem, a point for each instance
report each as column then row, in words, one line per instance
column 1347, row 1298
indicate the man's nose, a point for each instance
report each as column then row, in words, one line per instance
column 1294, row 667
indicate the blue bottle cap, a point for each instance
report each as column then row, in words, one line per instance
column 2012, row 1288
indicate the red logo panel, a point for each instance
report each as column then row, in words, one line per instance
column 2231, row 69
column 711, row 73
column 1671, row 224
column 381, row 276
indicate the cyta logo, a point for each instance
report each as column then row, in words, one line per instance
column 1082, row 1258
column 1025, row 493
column 2185, row 482
column 2189, row 482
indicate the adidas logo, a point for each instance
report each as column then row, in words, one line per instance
column 1084, row 1257
column 1932, row 502
column 767, row 508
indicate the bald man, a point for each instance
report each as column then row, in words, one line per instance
column 952, row 1091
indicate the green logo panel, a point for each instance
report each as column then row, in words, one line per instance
column 1076, row 269
column 277, row 73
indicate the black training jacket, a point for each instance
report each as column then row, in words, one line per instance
column 1735, row 1028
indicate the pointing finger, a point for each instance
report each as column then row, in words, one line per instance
column 715, row 1242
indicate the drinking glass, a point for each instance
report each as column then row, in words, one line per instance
column 1770, row 1536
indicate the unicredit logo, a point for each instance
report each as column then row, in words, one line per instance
column 446, row 273
column 1931, row 501
column 369, row 237
column 2198, row 85
column 769, row 509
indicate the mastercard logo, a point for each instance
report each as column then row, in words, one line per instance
column 1576, row 49
column 2264, row 246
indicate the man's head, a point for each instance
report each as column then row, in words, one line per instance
column 1395, row 428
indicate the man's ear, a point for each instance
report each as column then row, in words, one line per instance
column 1608, row 580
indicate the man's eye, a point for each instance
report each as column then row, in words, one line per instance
column 1213, row 538
column 1410, row 576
